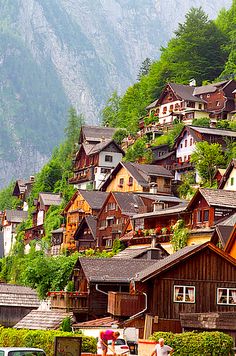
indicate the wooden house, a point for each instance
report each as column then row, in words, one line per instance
column 85, row 235
column 93, row 278
column 97, row 156
column 219, row 98
column 57, row 240
column 82, row 203
column 185, row 144
column 115, row 213
column 228, row 180
column 10, row 220
column 163, row 156
column 230, row 246
column 192, row 289
column 22, row 190
column 135, row 177
column 15, row 303
column 209, row 206
column 42, row 204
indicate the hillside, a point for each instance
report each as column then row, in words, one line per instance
column 59, row 52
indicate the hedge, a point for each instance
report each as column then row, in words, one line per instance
column 43, row 339
column 197, row 344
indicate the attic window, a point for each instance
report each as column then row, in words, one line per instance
column 131, row 181
column 184, row 294
column 108, row 158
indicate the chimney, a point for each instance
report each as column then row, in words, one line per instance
column 32, row 179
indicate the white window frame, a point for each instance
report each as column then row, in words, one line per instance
column 217, row 296
column 108, row 243
column 184, row 294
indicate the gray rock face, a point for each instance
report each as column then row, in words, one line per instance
column 58, row 53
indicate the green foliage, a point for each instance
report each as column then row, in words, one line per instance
column 42, row 339
column 169, row 137
column 111, row 111
column 119, row 135
column 66, row 324
column 70, row 287
column 197, row 344
column 206, row 158
column 203, row 122
column 139, row 152
column 223, row 124
column 186, row 190
column 179, row 238
column 7, row 201
column 117, row 246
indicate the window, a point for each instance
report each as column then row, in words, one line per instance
column 184, row 294
column 171, row 107
column 217, row 103
column 108, row 158
column 181, row 145
column 191, row 141
column 105, row 170
column 111, row 206
column 200, row 106
column 185, row 143
column 121, row 182
column 232, row 181
column 205, row 215
column 131, row 181
column 164, row 110
column 226, row 296
column 108, row 243
column 199, row 216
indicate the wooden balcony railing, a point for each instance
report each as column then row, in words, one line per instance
column 125, row 304
column 69, row 301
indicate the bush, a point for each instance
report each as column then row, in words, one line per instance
column 41, row 338
column 197, row 344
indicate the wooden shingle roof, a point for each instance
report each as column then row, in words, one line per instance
column 18, row 296
column 16, row 216
column 42, row 320
column 49, row 199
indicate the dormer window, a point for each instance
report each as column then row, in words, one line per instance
column 108, row 158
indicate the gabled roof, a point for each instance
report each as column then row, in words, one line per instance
column 140, row 172
column 231, row 166
column 18, row 296
column 91, row 149
column 152, row 105
column 177, row 209
column 136, row 252
column 129, row 203
column 91, row 222
column 178, row 257
column 185, row 92
column 20, row 187
column 94, row 198
column 16, row 216
column 96, row 133
column 113, row 271
column 49, row 199
column 215, row 197
column 197, row 133
column 221, row 234
column 210, row 88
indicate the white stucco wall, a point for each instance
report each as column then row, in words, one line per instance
column 231, row 181
column 40, row 217
column 116, row 158
column 8, row 239
column 183, row 151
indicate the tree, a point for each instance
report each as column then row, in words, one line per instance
column 73, row 127
column 144, row 69
column 119, row 135
column 206, row 158
column 111, row 111
column 180, row 235
column 203, row 122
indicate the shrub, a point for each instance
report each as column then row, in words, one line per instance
column 197, row 344
column 41, row 338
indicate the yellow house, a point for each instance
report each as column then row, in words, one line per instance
column 82, row 203
column 135, row 177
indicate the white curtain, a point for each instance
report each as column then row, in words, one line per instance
column 219, row 292
column 233, row 292
column 176, row 292
column 191, row 294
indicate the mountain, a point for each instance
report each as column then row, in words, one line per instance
column 57, row 53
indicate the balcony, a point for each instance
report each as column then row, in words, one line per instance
column 181, row 165
column 125, row 304
column 69, row 301
column 82, row 176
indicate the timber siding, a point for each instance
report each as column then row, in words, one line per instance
column 206, row 271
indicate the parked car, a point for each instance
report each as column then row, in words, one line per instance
column 21, row 351
column 121, row 348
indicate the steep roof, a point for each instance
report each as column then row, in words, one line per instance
column 140, row 172
column 49, row 199
column 16, row 216
column 176, row 258
column 185, row 92
column 129, row 203
column 216, row 197
column 227, row 173
column 19, row 296
column 91, row 222
column 210, row 88
column 102, row 270
column 91, row 149
column 94, row 198
column 96, row 133
column 42, row 320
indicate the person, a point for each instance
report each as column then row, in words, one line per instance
column 161, row 349
column 105, row 336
